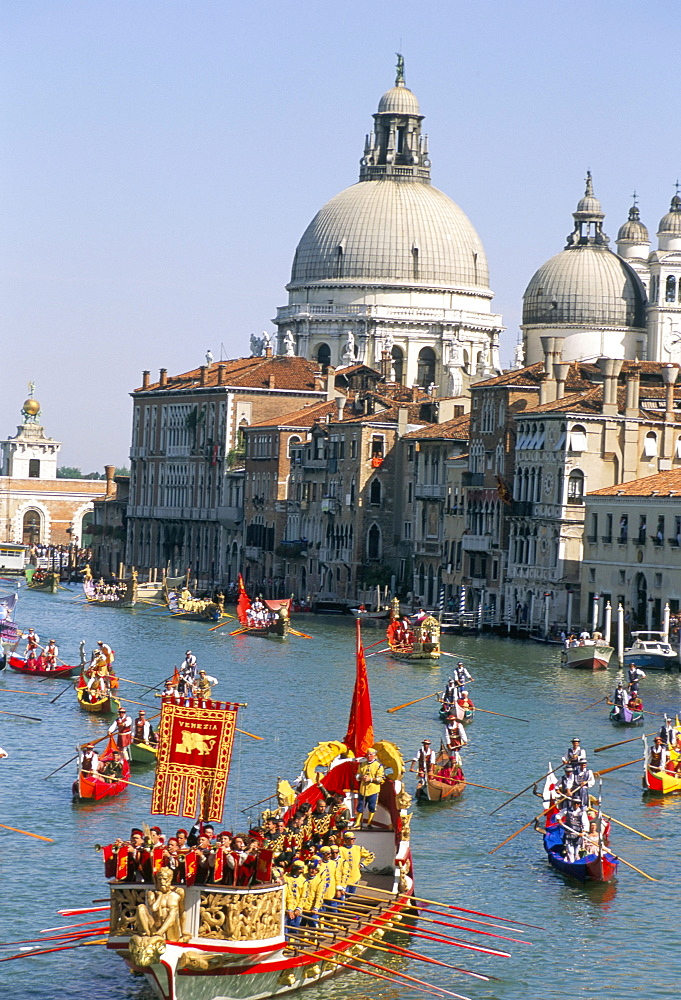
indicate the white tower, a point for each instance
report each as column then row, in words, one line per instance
column 29, row 454
column 664, row 310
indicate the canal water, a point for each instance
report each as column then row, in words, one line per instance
column 596, row 943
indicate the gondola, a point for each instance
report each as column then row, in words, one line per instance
column 38, row 666
column 143, row 753
column 43, row 581
column 90, row 787
column 108, row 705
column 444, row 782
column 662, row 782
column 278, row 622
column 625, row 717
column 464, row 715
column 421, row 644
column 599, row 866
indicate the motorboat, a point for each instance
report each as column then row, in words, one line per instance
column 651, row 651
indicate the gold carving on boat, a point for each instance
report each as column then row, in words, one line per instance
column 161, row 912
column 145, row 950
column 124, row 903
column 242, row 917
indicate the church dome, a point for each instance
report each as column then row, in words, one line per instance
column 399, row 100
column 389, row 232
column 633, row 230
column 585, row 286
column 670, row 224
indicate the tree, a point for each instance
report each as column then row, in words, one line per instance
column 69, row 472
column 122, row 470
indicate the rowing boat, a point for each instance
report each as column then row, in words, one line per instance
column 91, row 787
column 598, row 866
column 39, row 580
column 268, row 618
column 664, row 782
column 464, row 715
column 445, row 781
column 588, row 655
column 622, row 716
column 143, row 753
column 421, row 643
column 107, row 705
column 38, row 666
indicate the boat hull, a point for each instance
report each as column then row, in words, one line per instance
column 634, row 718
column 94, row 789
column 651, row 661
column 104, row 706
column 40, row 670
column 48, row 586
column 596, row 657
column 592, row 868
column 143, row 753
column 661, row 782
column 407, row 655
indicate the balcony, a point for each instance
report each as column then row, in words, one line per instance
column 473, row 479
column 476, row 543
column 606, row 539
column 230, row 517
column 522, row 508
column 422, row 548
column 430, row 491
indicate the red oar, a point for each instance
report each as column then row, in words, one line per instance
column 461, row 909
column 83, row 909
column 47, row 951
column 303, row 635
column 443, row 939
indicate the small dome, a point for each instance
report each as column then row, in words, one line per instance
column 670, row 224
column 585, row 286
column 399, row 100
column 633, row 230
column 31, row 406
column 589, row 205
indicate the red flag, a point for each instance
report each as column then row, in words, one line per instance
column 263, row 871
column 190, row 867
column 122, row 864
column 360, row 734
column 243, row 602
column 110, row 859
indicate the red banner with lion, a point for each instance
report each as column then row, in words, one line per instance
column 194, row 753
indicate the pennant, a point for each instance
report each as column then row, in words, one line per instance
column 263, row 871
column 122, row 864
column 243, row 603
column 194, row 753
column 157, row 858
column 109, row 852
column 190, row 867
column 360, row 734
column 219, row 870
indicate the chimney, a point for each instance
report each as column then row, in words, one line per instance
column 109, row 472
column 163, row 378
column 270, row 381
column 268, row 352
column 386, row 365
column 145, row 379
column 221, row 374
column 633, row 386
column 402, row 420
column 545, row 389
column 340, row 406
column 553, row 349
column 669, row 376
column 415, row 392
column 202, row 376
column 330, row 384
column 610, row 369
column 560, row 371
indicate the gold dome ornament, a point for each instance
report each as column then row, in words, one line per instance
column 31, row 407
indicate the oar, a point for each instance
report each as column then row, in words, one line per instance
column 533, row 820
column 237, row 631
column 129, row 701
column 600, row 701
column 632, row 828
column 454, row 655
column 244, row 733
column 629, row 865
column 69, row 687
column 531, row 785
column 258, row 803
column 407, row 703
column 222, row 624
column 500, row 714
column 37, row 694
column 26, row 833
column 46, row 951
column 31, row 718
column 462, row 909
column 621, row 743
column 618, row 766
column 488, row 787
column 348, row 908
column 146, row 787
column 303, row 635
column 377, row 651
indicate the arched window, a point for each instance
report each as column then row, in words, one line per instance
column 292, row 442
column 670, row 289
column 578, row 438
column 374, row 542
column 31, row 528
column 397, row 365
column 324, row 356
column 576, row 487
column 375, row 493
column 426, row 367
column 650, row 445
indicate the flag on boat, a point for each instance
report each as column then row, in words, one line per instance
column 243, row 602
column 360, row 734
column 194, row 754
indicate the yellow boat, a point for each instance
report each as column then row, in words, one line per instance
column 104, row 706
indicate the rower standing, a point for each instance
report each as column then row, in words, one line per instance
column 657, row 756
column 51, row 655
column 461, row 675
column 668, row 732
column 107, row 652
column 424, row 760
column 575, row 753
column 620, row 699
column 635, row 674
column 32, row 645
column 143, row 731
column 575, row 824
column 455, row 733
column 121, row 730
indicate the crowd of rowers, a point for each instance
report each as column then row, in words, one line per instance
column 572, row 807
column 34, row 651
column 628, row 698
column 665, row 753
column 259, row 615
column 314, row 854
column 406, row 631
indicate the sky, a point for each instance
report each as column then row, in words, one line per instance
column 160, row 160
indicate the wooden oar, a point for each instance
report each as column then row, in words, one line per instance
column 618, row 766
column 487, row 787
column 46, row 951
column 129, row 701
column 632, row 828
column 37, row 694
column 531, row 785
column 533, row 820
column 408, row 703
column 621, row 743
column 377, row 651
column 31, row 718
column 237, row 631
column 599, row 702
column 462, row 909
column 500, row 714
column 26, row 833
column 629, row 865
column 303, row 635
column 146, row 787
column 221, row 625
column 244, row 733
column 69, row 687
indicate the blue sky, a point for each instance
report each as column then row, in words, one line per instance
column 161, row 159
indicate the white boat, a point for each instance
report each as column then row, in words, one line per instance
column 651, row 651
column 588, row 655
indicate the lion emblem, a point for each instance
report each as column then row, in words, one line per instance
column 195, row 742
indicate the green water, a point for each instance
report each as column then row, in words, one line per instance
column 597, row 942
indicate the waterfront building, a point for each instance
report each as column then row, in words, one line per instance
column 632, row 549
column 108, row 527
column 38, row 508
column 392, row 269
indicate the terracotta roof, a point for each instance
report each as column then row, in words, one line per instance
column 457, row 429
column 248, row 373
column 663, row 484
column 589, row 401
column 517, row 376
column 304, row 417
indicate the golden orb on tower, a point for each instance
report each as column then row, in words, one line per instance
column 31, row 407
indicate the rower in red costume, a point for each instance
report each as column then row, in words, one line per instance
column 32, row 645
column 121, row 730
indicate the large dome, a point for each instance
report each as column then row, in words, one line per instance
column 391, row 232
column 587, row 286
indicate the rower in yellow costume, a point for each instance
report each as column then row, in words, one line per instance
column 370, row 777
